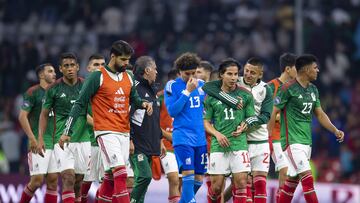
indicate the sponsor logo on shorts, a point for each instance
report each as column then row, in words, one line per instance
column 113, row 158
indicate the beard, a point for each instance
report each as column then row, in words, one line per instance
column 119, row 68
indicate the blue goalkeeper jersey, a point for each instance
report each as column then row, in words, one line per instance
column 187, row 111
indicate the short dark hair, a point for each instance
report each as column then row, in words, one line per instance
column 287, row 59
column 255, row 62
column 141, row 63
column 173, row 74
column 40, row 68
column 67, row 55
column 227, row 63
column 206, row 65
column 187, row 61
column 96, row 56
column 304, row 60
column 120, row 48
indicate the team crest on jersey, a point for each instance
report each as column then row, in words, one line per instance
column 313, row 97
column 277, row 100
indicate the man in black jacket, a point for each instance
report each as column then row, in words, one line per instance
column 145, row 130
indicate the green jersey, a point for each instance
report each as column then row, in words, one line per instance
column 226, row 119
column 297, row 105
column 60, row 97
column 91, row 130
column 32, row 103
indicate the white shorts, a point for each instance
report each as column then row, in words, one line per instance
column 168, row 163
column 259, row 157
column 229, row 162
column 96, row 166
column 299, row 158
column 114, row 150
column 278, row 156
column 39, row 165
column 129, row 169
column 75, row 156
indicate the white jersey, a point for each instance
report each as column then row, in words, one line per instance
column 259, row 94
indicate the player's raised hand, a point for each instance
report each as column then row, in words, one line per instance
column 222, row 139
column 339, row 135
column 64, row 139
column 240, row 129
column 192, row 84
column 149, row 108
column 41, row 147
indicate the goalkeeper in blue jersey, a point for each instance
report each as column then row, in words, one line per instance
column 184, row 101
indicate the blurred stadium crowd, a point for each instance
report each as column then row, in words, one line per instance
column 37, row 31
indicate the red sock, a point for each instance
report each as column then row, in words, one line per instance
column 50, row 196
column 85, row 187
column 239, row 195
column 278, row 194
column 260, row 189
column 26, row 195
column 68, row 196
column 174, row 199
column 249, row 193
column 307, row 183
column 106, row 189
column 212, row 197
column 121, row 194
column 287, row 192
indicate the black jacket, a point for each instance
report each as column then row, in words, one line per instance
column 145, row 130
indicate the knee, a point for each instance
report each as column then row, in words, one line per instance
column 173, row 180
column 52, row 181
column 36, row 181
column 68, row 179
column 216, row 188
column 241, row 183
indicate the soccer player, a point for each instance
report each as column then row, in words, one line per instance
column 228, row 153
column 145, row 129
column 111, row 90
column 41, row 156
column 298, row 100
column 184, row 102
column 96, row 168
column 168, row 160
column 74, row 160
column 259, row 151
column 204, row 70
column 288, row 72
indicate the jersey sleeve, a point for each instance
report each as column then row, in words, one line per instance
column 174, row 103
column 213, row 88
column 89, row 88
column 49, row 98
column 135, row 99
column 281, row 97
column 28, row 102
column 317, row 102
column 265, row 111
column 271, row 88
column 208, row 109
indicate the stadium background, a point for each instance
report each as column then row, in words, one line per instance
column 37, row 31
